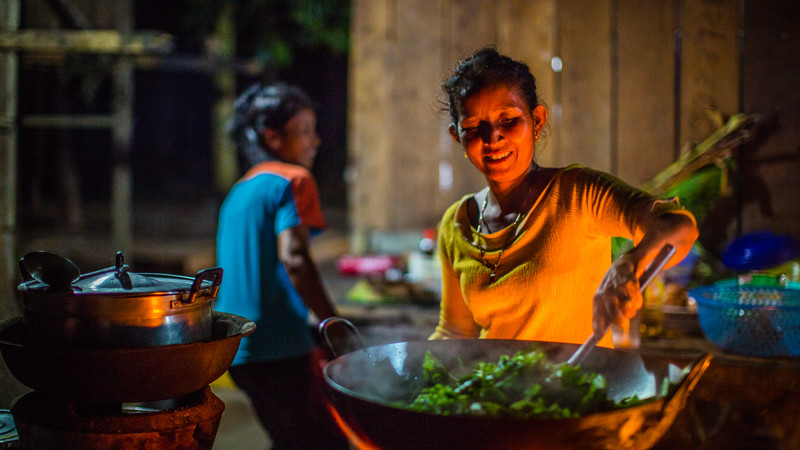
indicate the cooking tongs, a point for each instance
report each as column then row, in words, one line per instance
column 655, row 266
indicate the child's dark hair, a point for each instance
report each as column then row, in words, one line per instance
column 485, row 68
column 261, row 107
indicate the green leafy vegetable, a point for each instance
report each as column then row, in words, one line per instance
column 433, row 370
column 524, row 385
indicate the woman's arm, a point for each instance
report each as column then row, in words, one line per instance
column 618, row 297
column 294, row 253
column 455, row 318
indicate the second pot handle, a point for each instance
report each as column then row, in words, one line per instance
column 214, row 274
column 323, row 331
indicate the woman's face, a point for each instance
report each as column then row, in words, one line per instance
column 297, row 143
column 497, row 129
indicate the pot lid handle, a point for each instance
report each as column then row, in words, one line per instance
column 214, row 274
column 122, row 272
column 120, row 264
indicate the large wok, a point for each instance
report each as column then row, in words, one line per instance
column 363, row 385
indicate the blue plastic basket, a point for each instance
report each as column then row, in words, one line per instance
column 751, row 320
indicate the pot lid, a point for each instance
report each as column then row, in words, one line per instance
column 112, row 281
column 119, row 280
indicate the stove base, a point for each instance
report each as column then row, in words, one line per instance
column 45, row 422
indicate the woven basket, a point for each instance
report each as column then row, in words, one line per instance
column 750, row 319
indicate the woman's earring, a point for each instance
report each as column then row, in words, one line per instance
column 465, row 155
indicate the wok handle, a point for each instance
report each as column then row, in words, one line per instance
column 675, row 401
column 652, row 270
column 323, row 331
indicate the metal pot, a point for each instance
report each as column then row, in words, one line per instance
column 114, row 308
column 366, row 385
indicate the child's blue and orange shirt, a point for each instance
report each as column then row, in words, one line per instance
column 270, row 198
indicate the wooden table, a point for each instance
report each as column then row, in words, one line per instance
column 740, row 402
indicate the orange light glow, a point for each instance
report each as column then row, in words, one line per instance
column 359, row 442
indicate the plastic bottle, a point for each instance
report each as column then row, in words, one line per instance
column 423, row 266
column 428, row 243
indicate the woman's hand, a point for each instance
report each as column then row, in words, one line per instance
column 618, row 297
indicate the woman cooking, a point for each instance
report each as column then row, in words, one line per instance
column 529, row 256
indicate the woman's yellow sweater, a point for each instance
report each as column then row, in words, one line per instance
column 548, row 274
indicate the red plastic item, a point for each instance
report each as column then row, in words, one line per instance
column 366, row 265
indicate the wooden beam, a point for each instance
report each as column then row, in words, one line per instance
column 10, row 388
column 211, row 64
column 224, row 149
column 88, row 41
column 9, row 64
column 67, row 121
column 122, row 137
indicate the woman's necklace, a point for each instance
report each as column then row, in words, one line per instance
column 493, row 267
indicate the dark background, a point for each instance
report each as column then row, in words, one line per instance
column 172, row 155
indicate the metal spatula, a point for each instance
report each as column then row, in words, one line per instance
column 655, row 266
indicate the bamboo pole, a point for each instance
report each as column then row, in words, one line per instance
column 225, row 169
column 86, row 41
column 10, row 388
column 9, row 21
column 121, row 137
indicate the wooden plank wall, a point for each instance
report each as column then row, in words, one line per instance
column 709, row 64
column 369, row 87
column 462, row 34
column 770, row 74
column 638, row 81
column 644, row 89
column 526, row 30
column 585, row 88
